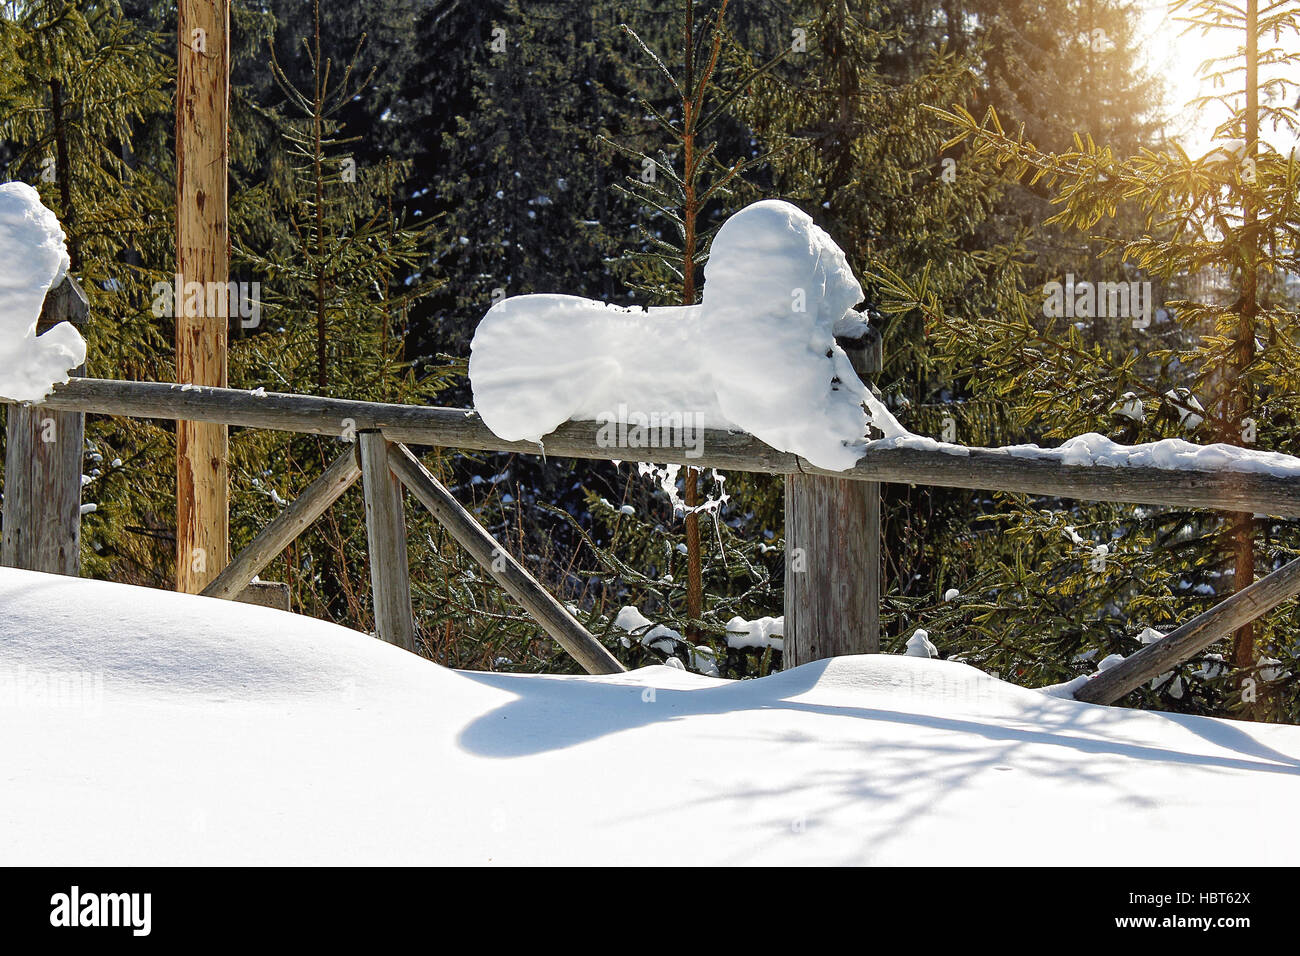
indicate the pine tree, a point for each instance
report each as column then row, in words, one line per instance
column 83, row 117
column 529, row 204
column 339, row 270
column 683, row 185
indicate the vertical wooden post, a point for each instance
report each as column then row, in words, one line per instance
column 832, row 553
column 390, row 579
column 43, row 458
column 202, row 257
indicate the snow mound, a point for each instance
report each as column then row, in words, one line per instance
column 775, row 287
column 32, row 259
column 146, row 727
column 758, row 354
column 920, row 645
column 762, row 632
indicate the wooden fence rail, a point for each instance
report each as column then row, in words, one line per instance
column 1200, row 632
column 554, row 617
column 981, row 468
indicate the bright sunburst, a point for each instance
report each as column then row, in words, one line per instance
column 1178, row 53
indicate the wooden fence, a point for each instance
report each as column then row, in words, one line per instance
column 832, row 518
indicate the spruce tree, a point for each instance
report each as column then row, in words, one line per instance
column 339, row 272
column 682, row 187
column 83, row 118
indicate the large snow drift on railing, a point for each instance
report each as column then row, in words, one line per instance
column 32, row 259
column 758, row 354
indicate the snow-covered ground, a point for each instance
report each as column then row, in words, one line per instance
column 145, row 727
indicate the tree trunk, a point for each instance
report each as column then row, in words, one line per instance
column 1243, row 524
column 202, row 256
column 690, row 212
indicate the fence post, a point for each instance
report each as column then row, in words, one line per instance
column 43, row 458
column 390, row 579
column 832, row 552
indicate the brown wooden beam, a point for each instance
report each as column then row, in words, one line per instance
column 1193, row 637
column 296, row 518
column 982, row 468
column 390, row 577
column 202, row 257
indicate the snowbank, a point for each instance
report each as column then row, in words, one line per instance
column 145, row 727
column 32, row 259
column 758, row 354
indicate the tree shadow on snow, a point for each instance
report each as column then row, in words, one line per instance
column 549, row 714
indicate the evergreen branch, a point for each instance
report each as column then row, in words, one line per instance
column 721, row 107
column 653, row 56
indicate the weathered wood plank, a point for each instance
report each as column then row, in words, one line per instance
column 832, row 554
column 412, row 424
column 202, row 257
column 390, row 579
column 44, row 452
column 42, row 490
column 554, row 618
column 982, row 468
column 832, row 570
column 297, row 516
column 1193, row 637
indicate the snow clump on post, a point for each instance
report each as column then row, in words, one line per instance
column 33, row 259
